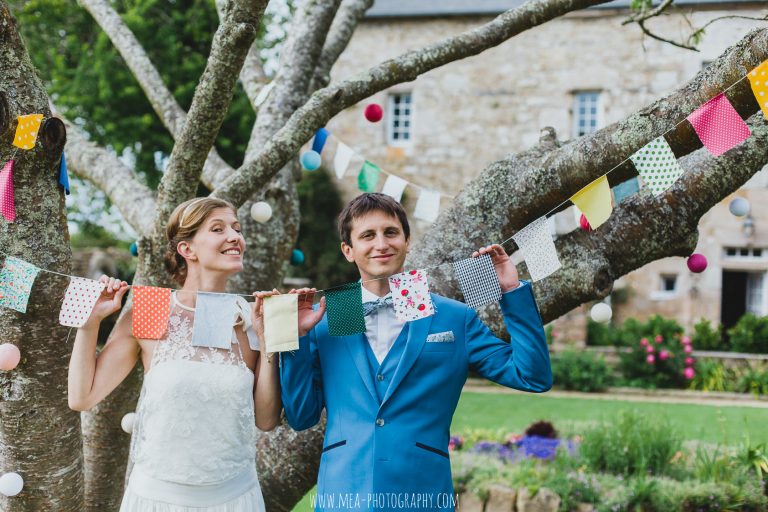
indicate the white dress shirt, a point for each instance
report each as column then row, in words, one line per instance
column 381, row 327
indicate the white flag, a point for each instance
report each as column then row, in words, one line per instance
column 394, row 186
column 428, row 206
column 341, row 160
column 539, row 252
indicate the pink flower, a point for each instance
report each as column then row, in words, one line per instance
column 659, row 338
column 649, row 349
column 687, row 349
column 686, row 340
column 688, row 361
column 689, row 373
column 663, row 355
column 644, row 341
column 650, row 359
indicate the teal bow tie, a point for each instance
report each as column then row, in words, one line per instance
column 382, row 302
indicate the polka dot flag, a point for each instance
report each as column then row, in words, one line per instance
column 79, row 300
column 658, row 165
column 758, row 79
column 345, row 310
column 151, row 309
column 718, row 125
column 7, row 202
column 26, row 131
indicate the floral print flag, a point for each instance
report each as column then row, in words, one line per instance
column 410, row 295
column 16, row 280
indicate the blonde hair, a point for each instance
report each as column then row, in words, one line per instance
column 182, row 226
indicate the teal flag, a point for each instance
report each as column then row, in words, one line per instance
column 345, row 310
column 368, row 177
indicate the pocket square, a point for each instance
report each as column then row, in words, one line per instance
column 440, row 337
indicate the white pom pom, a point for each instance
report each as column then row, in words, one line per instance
column 11, row 484
column 739, row 206
column 601, row 312
column 127, row 422
column 261, row 212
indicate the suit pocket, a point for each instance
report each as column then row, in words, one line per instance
column 433, row 450
column 334, row 445
column 439, row 346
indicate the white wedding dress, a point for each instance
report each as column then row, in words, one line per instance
column 193, row 446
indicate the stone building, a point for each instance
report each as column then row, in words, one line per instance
column 578, row 73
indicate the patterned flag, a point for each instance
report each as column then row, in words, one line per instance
column 151, row 309
column 758, row 79
column 214, row 317
column 657, row 164
column 79, row 300
column 394, row 187
column 318, row 143
column 594, row 201
column 718, row 125
column 539, row 252
column 7, row 201
column 63, row 176
column 368, row 177
column 410, row 295
column 26, row 131
column 341, row 160
column 478, row 280
column 16, row 279
column 345, row 310
column 428, row 206
column 281, row 323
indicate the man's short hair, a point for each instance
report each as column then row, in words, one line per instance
column 366, row 203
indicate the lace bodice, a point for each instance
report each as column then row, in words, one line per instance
column 195, row 421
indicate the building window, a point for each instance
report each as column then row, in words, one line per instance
column 755, row 293
column 744, row 253
column 400, row 119
column 668, row 283
column 586, row 109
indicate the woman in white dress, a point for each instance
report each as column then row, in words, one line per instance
column 193, row 444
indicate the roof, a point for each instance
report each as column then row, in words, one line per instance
column 429, row 8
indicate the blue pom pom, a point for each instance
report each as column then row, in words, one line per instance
column 297, row 257
column 134, row 249
column 310, row 160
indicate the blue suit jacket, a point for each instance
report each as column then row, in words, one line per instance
column 378, row 454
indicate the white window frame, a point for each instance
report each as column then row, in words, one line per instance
column 597, row 115
column 401, row 118
column 661, row 293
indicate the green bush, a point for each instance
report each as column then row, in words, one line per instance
column 705, row 337
column 712, row 375
column 750, row 334
column 581, row 371
column 632, row 445
column 599, row 334
column 752, row 381
column 661, row 339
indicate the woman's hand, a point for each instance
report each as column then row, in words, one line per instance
column 110, row 300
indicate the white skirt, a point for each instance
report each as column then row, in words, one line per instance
column 146, row 494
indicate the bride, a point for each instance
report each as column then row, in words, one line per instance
column 193, row 445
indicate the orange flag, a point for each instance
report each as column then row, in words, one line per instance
column 151, row 309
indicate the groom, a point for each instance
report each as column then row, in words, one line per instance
column 390, row 394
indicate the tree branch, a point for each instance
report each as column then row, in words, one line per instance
column 327, row 102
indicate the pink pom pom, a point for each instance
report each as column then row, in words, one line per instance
column 688, row 349
column 686, row 340
column 374, row 113
column 649, row 349
column 9, row 356
column 650, row 359
column 663, row 355
column 659, row 338
column 644, row 342
column 688, row 373
column 584, row 223
column 697, row 263
column 688, row 361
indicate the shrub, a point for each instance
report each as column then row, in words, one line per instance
column 658, row 354
column 704, row 337
column 750, row 334
column 581, row 371
column 713, row 376
column 632, row 445
column 599, row 334
column 752, row 381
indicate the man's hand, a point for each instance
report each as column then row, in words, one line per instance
column 505, row 269
column 308, row 317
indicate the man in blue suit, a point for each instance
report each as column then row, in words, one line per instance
column 390, row 394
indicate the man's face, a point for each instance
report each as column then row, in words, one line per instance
column 378, row 245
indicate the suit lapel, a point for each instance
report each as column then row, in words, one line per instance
column 356, row 345
column 417, row 336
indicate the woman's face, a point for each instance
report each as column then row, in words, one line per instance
column 218, row 245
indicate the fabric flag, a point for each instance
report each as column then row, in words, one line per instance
column 368, row 177
column 718, row 125
column 63, row 176
column 410, row 295
column 478, row 280
column 281, row 322
column 341, row 160
column 657, row 164
column 394, row 186
column 7, row 200
column 214, row 317
column 151, row 309
column 79, row 300
column 16, row 280
column 26, row 131
column 758, row 79
column 594, row 201
column 319, row 141
column 345, row 310
column 535, row 242
column 428, row 205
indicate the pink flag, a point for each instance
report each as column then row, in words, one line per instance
column 6, row 192
column 718, row 125
column 79, row 301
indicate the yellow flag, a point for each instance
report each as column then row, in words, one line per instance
column 594, row 201
column 26, row 131
column 758, row 78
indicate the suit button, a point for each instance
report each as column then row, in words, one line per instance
column 380, row 377
column 380, row 422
